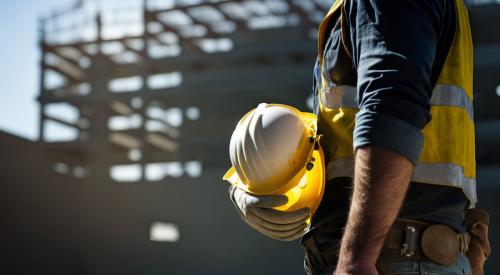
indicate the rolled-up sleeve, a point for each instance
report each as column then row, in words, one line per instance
column 393, row 49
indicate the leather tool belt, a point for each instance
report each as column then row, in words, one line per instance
column 410, row 240
column 407, row 240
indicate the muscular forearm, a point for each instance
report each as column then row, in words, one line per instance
column 381, row 179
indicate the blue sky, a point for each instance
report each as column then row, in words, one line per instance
column 19, row 55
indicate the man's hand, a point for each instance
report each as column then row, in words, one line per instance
column 257, row 212
column 478, row 221
column 479, row 248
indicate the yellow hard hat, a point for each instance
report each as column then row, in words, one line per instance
column 275, row 150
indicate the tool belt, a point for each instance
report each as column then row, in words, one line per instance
column 407, row 240
column 410, row 240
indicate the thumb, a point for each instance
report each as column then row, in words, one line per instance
column 266, row 201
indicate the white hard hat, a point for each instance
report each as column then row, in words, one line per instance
column 274, row 150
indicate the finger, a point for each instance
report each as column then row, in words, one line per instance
column 281, row 217
column 295, row 236
column 266, row 201
column 282, row 232
column 288, row 235
column 278, row 227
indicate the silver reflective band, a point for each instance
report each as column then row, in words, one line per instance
column 450, row 95
column 340, row 168
column 342, row 96
column 446, row 174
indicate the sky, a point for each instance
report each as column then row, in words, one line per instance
column 19, row 57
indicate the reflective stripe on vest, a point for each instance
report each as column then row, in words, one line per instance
column 447, row 174
column 344, row 96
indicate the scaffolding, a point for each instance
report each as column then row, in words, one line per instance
column 144, row 90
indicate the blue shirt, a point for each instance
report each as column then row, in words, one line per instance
column 394, row 58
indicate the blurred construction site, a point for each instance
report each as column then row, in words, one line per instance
column 138, row 99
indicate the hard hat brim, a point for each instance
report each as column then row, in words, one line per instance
column 304, row 190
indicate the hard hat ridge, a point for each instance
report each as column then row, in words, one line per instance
column 246, row 152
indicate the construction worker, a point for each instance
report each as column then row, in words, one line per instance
column 393, row 96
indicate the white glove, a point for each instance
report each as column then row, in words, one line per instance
column 257, row 212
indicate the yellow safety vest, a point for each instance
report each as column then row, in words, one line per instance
column 448, row 156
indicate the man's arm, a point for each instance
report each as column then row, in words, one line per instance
column 394, row 44
column 380, row 183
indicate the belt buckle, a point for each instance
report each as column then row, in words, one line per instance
column 408, row 244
